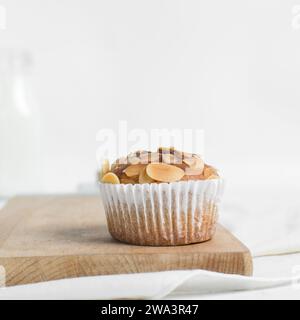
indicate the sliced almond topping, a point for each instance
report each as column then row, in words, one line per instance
column 118, row 170
column 154, row 157
column 170, row 158
column 105, row 166
column 189, row 161
column 138, row 153
column 164, row 172
column 182, row 166
column 198, row 164
column 122, row 161
column 195, row 163
column 128, row 181
column 209, row 171
column 187, row 155
column 110, row 177
column 144, row 178
column 213, row 176
column 165, row 165
column 113, row 166
column 134, row 160
column 178, row 154
column 145, row 157
column 193, row 172
column 193, row 177
column 182, row 155
column 134, row 170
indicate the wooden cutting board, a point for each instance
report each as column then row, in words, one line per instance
column 53, row 237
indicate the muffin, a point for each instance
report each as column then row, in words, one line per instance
column 161, row 198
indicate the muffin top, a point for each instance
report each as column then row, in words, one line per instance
column 165, row 165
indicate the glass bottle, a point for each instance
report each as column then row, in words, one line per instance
column 19, row 126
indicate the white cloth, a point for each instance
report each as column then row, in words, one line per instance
column 142, row 286
column 268, row 222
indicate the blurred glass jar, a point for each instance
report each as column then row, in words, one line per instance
column 19, row 126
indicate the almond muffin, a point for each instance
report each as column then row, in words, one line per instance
column 161, row 198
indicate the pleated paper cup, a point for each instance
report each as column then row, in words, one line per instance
column 164, row 214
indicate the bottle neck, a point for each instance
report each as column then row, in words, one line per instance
column 15, row 74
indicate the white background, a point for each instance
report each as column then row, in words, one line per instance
column 229, row 67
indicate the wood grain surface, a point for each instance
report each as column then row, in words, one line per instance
column 53, row 237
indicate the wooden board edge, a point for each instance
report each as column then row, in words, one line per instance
column 32, row 270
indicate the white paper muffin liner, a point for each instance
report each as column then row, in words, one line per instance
column 162, row 214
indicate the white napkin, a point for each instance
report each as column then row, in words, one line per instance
column 141, row 286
